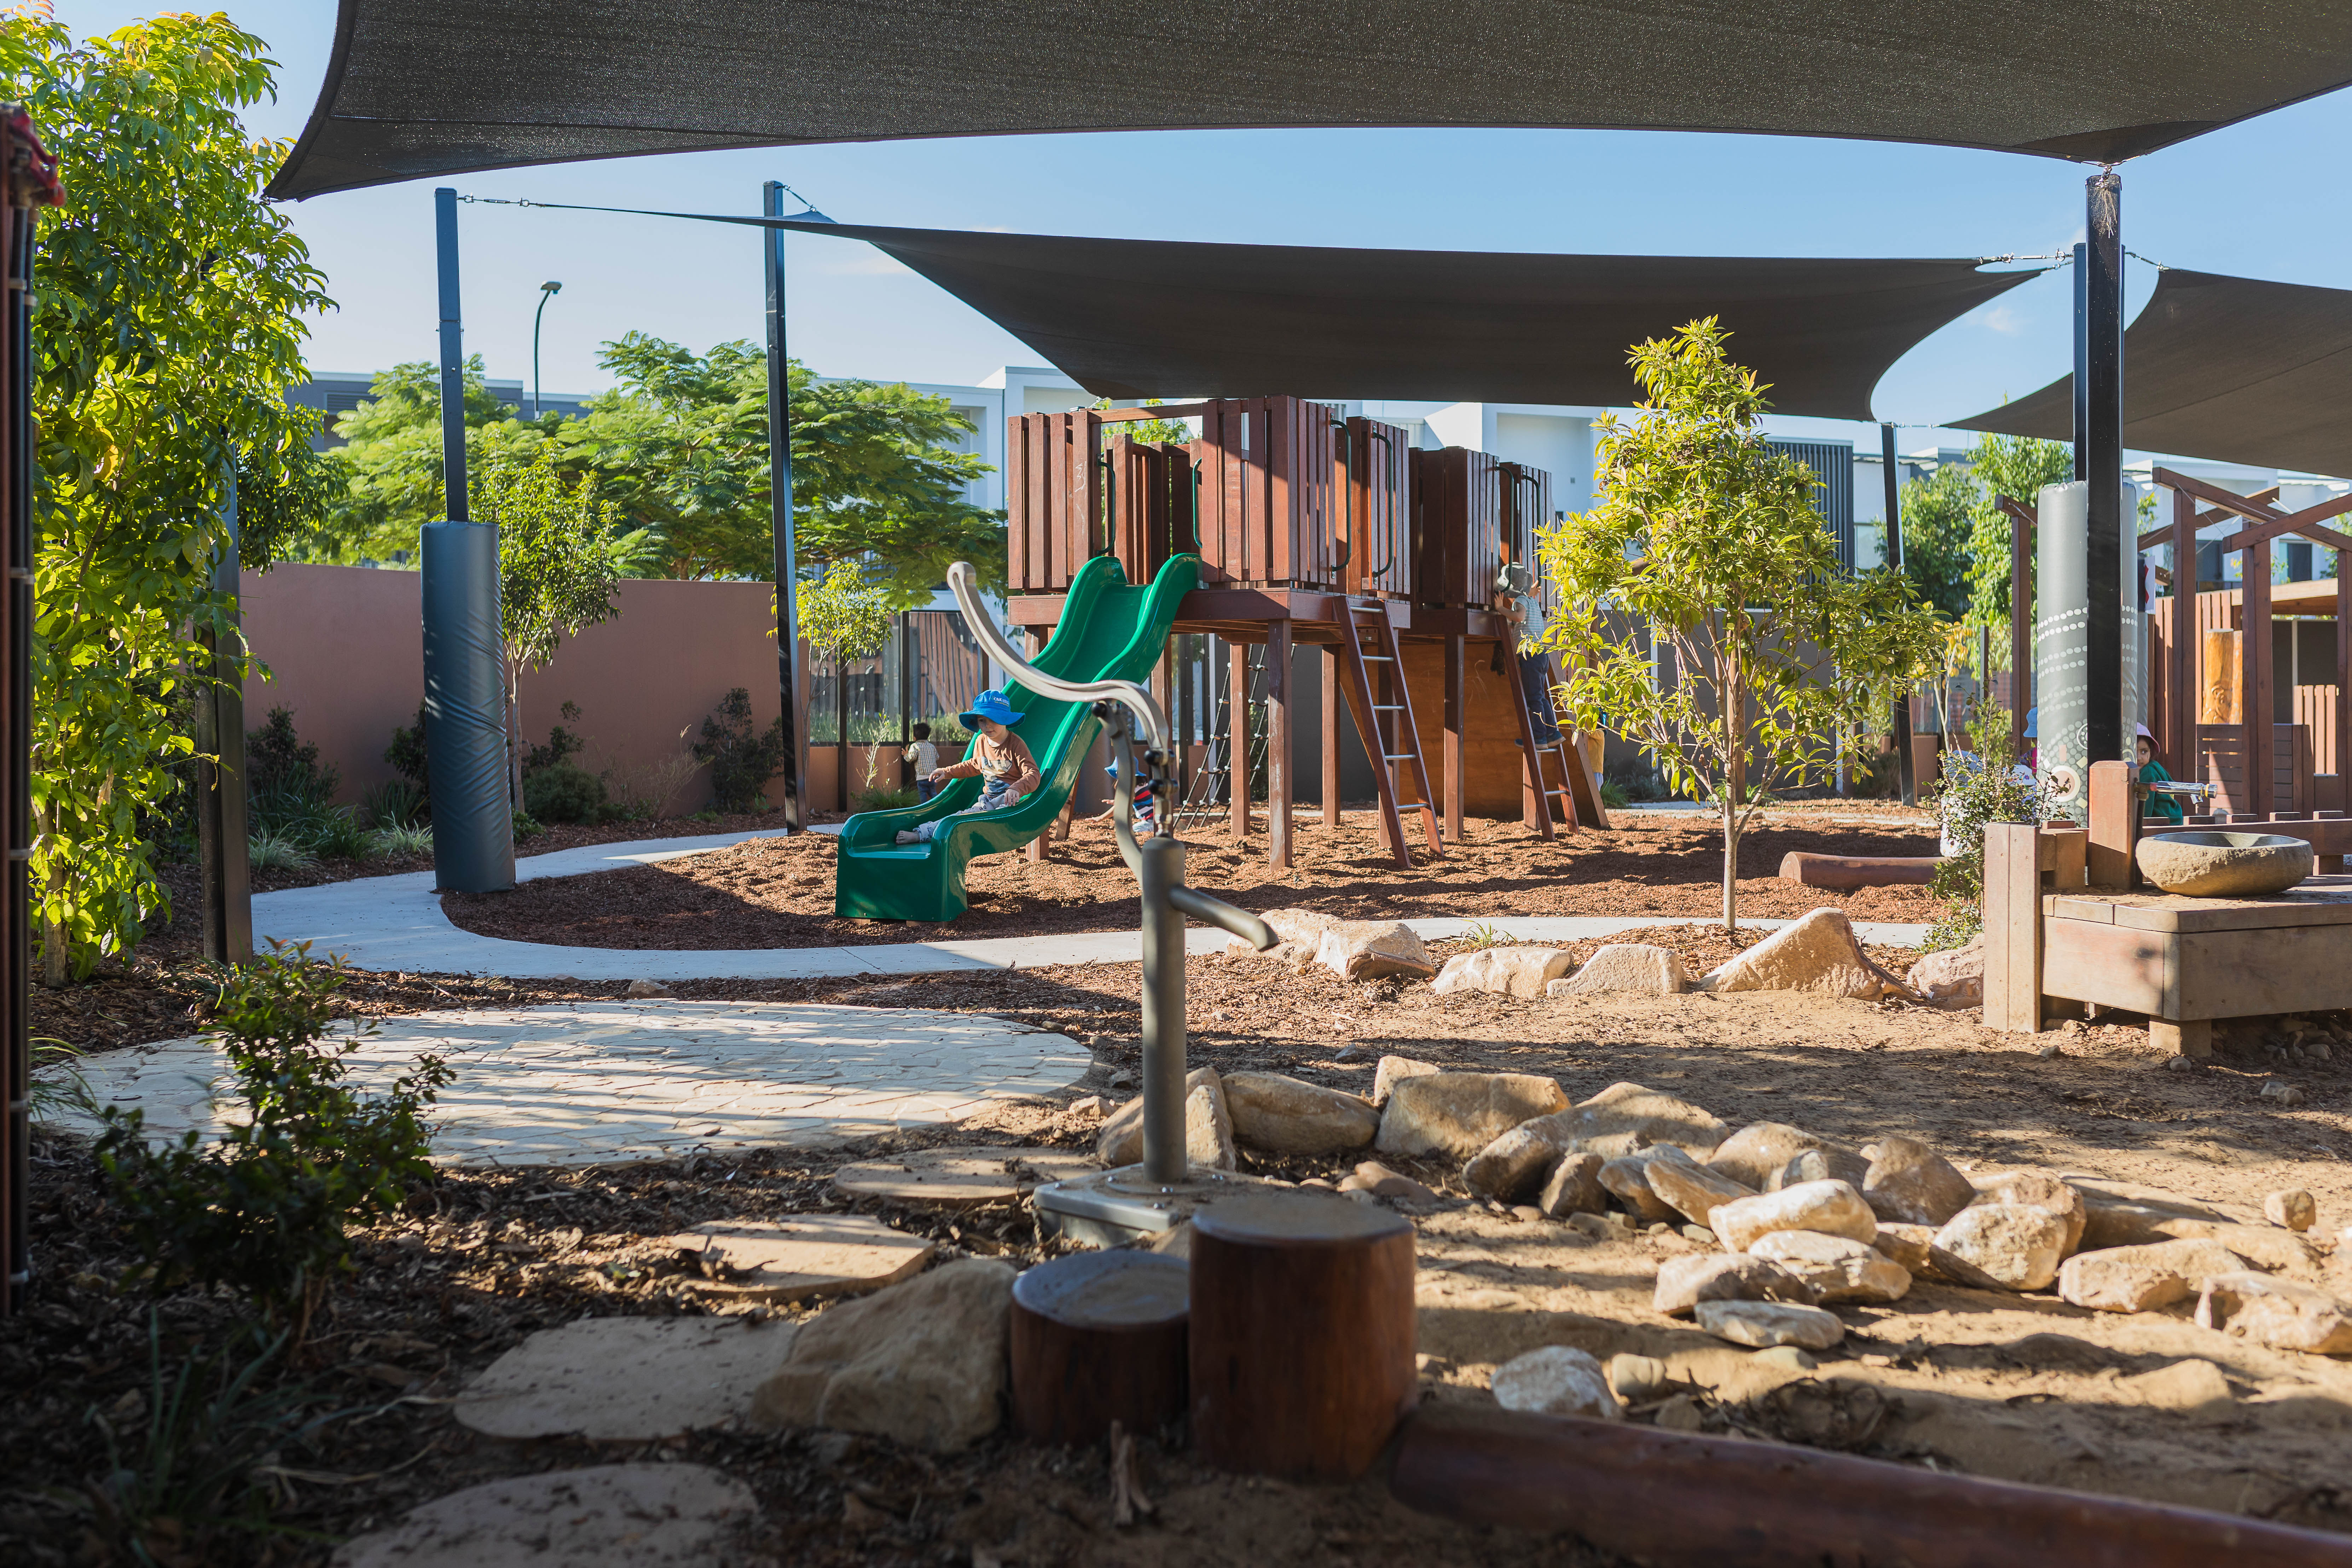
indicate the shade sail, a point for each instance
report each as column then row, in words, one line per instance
column 2232, row 370
column 419, row 87
column 1132, row 318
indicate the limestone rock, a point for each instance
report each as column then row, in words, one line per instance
column 1366, row 950
column 1627, row 966
column 1689, row 1188
column 2036, row 1189
column 922, row 1362
column 1637, row 1379
column 1694, row 1276
column 1831, row 1163
column 2291, row 1208
column 2002, row 1246
column 1912, row 1246
column 1833, row 1208
column 1766, row 1323
column 623, row 1379
column 1836, row 1268
column 2190, row 1387
column 1301, row 934
column 1284, row 1116
column 2123, row 1214
column 958, row 1177
column 1459, row 1113
column 1625, row 1117
column 1514, row 1165
column 1952, row 979
column 1208, row 1126
column 607, row 1516
column 799, row 1259
column 1394, row 1070
column 1556, row 1381
column 2280, row 1313
column 1760, row 1151
column 1818, row 952
column 1377, row 1180
column 646, row 990
column 1573, row 1187
column 2218, row 863
column 1627, row 1178
column 2142, row 1278
column 1911, row 1182
column 1506, row 971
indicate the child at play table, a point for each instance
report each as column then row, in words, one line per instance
column 2154, row 807
column 1000, row 759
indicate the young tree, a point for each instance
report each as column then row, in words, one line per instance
column 1707, row 537
column 168, row 316
column 1938, row 518
column 389, row 468
column 846, row 618
column 560, row 558
column 2017, row 467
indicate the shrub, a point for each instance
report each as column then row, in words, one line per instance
column 387, row 843
column 269, row 850
column 407, row 755
column 564, row 793
column 1976, row 788
column 263, row 1209
column 741, row 762
column 527, row 826
column 395, row 803
column 886, row 799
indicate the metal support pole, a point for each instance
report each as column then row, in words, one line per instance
column 1161, row 865
column 1904, row 771
column 467, row 757
column 225, row 869
column 779, row 519
column 2099, row 448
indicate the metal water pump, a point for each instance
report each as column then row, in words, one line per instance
column 1127, row 1199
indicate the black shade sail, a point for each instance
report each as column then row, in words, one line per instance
column 2232, row 370
column 419, row 87
column 1136, row 318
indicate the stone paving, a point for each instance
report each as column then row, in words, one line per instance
column 594, row 1082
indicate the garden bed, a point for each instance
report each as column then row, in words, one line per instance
column 1977, row 1381
column 779, row 893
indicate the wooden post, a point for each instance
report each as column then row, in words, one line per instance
column 1331, row 678
column 2181, row 695
column 2012, row 927
column 1457, row 705
column 2115, row 825
column 1237, row 753
column 1098, row 1337
column 2257, row 705
column 1278, row 745
column 1302, row 1334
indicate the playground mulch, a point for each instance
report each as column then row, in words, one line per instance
column 778, row 892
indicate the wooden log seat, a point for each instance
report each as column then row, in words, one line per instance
column 1302, row 1339
column 1846, row 872
column 1098, row 1338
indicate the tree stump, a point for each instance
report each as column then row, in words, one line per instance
column 1302, row 1338
column 1098, row 1337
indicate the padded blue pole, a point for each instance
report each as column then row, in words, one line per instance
column 465, row 689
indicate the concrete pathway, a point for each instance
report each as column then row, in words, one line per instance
column 594, row 1082
column 395, row 923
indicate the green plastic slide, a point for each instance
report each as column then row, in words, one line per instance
column 1109, row 631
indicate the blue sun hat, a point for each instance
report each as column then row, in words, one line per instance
column 992, row 705
column 2031, row 715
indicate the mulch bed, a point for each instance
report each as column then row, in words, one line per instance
column 778, row 892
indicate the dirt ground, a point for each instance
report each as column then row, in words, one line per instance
column 1982, row 1382
column 778, row 892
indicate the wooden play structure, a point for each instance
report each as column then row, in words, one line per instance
column 1325, row 529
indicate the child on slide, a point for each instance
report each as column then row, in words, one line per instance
column 1001, row 760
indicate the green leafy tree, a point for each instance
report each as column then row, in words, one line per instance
column 1707, row 536
column 1939, row 520
column 167, row 323
column 2017, row 467
column 843, row 614
column 390, row 468
column 561, row 555
column 1152, row 430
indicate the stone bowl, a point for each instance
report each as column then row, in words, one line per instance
column 2215, row 864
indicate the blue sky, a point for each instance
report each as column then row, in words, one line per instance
column 2239, row 200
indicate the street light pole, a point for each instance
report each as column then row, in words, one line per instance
column 547, row 290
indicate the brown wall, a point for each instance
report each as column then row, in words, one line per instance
column 344, row 649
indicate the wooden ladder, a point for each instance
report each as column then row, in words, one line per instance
column 1579, row 803
column 1397, row 741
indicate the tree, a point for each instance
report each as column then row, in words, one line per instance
column 1938, row 520
column 389, row 468
column 2017, row 467
column 167, row 323
column 846, row 618
column 1152, row 430
column 1707, row 535
column 560, row 558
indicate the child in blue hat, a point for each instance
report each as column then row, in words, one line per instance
column 1001, row 759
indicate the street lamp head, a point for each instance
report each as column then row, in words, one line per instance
column 550, row 287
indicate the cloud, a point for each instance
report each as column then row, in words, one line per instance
column 2003, row 319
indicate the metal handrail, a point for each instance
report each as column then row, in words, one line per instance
column 964, row 584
